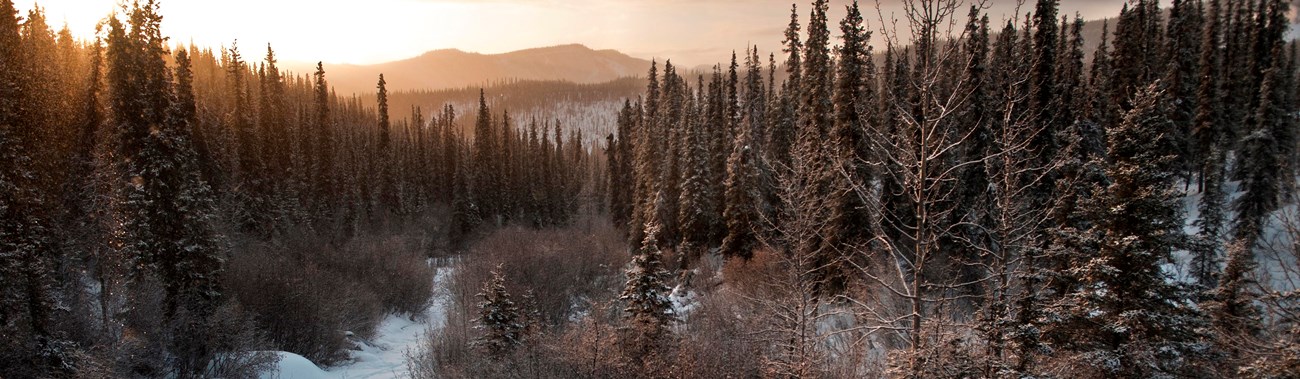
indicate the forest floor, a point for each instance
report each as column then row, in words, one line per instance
column 384, row 356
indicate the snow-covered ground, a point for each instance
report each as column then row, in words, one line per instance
column 385, row 355
column 1271, row 253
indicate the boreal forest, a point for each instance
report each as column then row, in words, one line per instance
column 932, row 190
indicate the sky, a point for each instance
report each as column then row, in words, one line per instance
column 693, row 32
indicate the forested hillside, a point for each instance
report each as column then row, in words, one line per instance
column 154, row 199
column 944, row 196
column 989, row 201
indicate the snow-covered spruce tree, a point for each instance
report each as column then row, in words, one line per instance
column 26, row 302
column 663, row 167
column 720, row 138
column 642, row 165
column 1125, row 318
column 192, row 266
column 696, row 211
column 275, row 142
column 248, row 192
column 743, row 196
column 1043, row 92
column 500, row 321
column 648, row 311
column 167, row 208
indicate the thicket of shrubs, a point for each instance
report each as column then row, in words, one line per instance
column 306, row 294
column 575, row 275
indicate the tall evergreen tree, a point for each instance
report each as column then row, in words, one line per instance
column 743, row 197
column 850, row 217
column 670, row 122
column 324, row 144
column 812, row 171
column 786, row 110
column 191, row 266
column 1210, row 145
column 25, row 271
column 1126, row 318
column 1262, row 159
column 643, row 156
column 389, row 199
column 1182, row 45
column 696, row 209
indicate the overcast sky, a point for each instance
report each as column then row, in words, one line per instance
column 691, row 32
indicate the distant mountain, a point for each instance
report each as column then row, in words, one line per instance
column 451, row 68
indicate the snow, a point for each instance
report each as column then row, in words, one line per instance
column 294, row 366
column 683, row 301
column 385, row 355
column 1272, row 265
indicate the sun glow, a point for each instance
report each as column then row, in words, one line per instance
column 330, row 31
column 373, row 31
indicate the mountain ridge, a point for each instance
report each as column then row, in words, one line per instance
column 455, row 68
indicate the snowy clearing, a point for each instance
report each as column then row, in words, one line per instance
column 385, row 355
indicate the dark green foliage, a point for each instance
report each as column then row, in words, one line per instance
column 697, row 211
column 647, row 310
column 1125, row 317
column 813, row 169
column 1263, row 160
column 847, row 154
column 500, row 320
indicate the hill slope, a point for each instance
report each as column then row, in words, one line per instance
column 451, row 68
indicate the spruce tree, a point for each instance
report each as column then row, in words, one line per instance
column 323, row 155
column 500, row 320
column 618, row 175
column 25, row 271
column 1182, row 52
column 1126, row 318
column 1261, row 166
column 1208, row 121
column 193, row 264
column 670, row 152
column 696, row 210
column 812, row 169
column 786, row 108
column 1209, row 145
column 643, row 161
column 466, row 215
column 648, row 312
column 742, row 196
column 1043, row 90
column 272, row 123
column 849, row 175
column 1100, row 79
column 386, row 161
column 720, row 146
